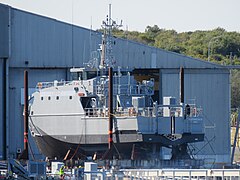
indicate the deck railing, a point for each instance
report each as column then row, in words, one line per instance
column 123, row 89
column 120, row 112
column 146, row 111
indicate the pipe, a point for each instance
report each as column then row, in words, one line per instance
column 26, row 112
column 235, row 138
column 160, row 87
column 7, row 59
column 173, row 125
column 4, row 130
column 181, row 85
column 110, row 107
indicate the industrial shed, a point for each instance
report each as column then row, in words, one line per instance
column 48, row 48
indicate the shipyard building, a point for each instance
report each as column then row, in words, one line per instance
column 48, row 48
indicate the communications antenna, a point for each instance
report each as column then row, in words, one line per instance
column 107, row 59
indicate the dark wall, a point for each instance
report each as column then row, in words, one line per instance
column 4, row 35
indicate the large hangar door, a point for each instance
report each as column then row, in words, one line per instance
column 209, row 89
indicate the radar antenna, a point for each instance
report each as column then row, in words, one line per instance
column 107, row 59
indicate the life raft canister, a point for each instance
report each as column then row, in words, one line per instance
column 39, row 85
column 81, row 94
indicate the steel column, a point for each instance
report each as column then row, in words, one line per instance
column 110, row 108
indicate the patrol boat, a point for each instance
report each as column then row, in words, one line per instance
column 70, row 119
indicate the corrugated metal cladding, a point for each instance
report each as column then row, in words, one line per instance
column 41, row 42
column 4, row 20
column 132, row 54
column 57, row 44
column 48, row 48
column 209, row 89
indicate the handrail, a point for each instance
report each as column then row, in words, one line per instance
column 120, row 112
column 123, row 89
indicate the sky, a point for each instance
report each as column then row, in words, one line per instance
column 180, row 15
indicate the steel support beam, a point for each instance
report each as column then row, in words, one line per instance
column 5, row 108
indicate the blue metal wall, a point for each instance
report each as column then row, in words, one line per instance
column 133, row 54
column 45, row 42
column 42, row 42
column 4, row 19
column 210, row 89
column 4, row 53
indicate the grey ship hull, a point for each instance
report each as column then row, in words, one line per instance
column 141, row 145
column 55, row 136
column 54, row 148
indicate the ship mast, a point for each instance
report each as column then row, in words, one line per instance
column 107, row 59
